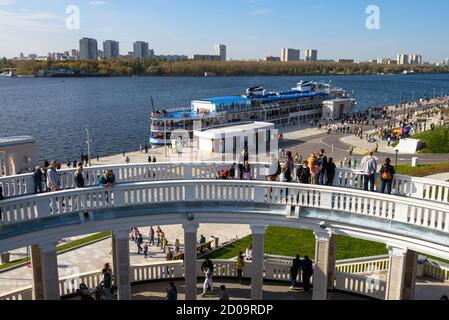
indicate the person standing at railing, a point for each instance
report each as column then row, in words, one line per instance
column 107, row 180
column 307, row 272
column 79, row 177
column 386, row 175
column 177, row 246
column 240, row 263
column 322, row 164
column 37, row 179
column 247, row 174
column 303, row 174
column 107, row 283
column 330, row 172
column 294, row 270
column 369, row 169
column 52, row 177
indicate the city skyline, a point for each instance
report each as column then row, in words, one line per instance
column 40, row 28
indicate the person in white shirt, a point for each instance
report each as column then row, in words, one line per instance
column 369, row 169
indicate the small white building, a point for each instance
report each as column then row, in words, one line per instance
column 335, row 109
column 232, row 140
column 17, row 155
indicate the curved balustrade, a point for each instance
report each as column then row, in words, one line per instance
column 222, row 269
column 21, row 185
column 428, row 215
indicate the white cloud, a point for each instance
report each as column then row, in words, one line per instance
column 30, row 20
column 260, row 12
column 97, row 3
column 7, row 2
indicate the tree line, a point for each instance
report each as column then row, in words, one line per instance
column 147, row 67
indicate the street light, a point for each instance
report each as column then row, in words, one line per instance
column 396, row 161
column 88, row 142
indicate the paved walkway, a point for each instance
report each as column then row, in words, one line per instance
column 440, row 177
column 93, row 257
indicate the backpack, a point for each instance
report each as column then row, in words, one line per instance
column 278, row 172
column 232, row 172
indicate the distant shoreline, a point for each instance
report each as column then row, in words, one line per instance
column 220, row 76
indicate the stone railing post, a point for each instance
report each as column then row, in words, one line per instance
column 190, row 275
column 121, row 252
column 324, row 272
column 258, row 244
column 45, row 271
column 401, row 273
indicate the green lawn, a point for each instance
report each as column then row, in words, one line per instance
column 437, row 141
column 290, row 242
column 423, row 170
column 63, row 247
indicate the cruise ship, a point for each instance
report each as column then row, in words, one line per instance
column 296, row 106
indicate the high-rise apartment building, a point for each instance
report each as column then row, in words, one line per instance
column 415, row 59
column 403, row 59
column 311, row 55
column 220, row 50
column 141, row 50
column 111, row 49
column 290, row 55
column 88, row 49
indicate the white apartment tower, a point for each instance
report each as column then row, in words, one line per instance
column 290, row 55
column 220, row 50
column 311, row 55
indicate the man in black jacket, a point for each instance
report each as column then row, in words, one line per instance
column 307, row 272
column 294, row 270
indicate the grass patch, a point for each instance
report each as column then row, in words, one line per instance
column 62, row 247
column 290, row 242
column 436, row 141
column 423, row 170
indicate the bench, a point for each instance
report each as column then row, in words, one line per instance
column 200, row 248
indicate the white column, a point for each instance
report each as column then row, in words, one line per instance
column 401, row 273
column 190, row 233
column 324, row 271
column 121, row 252
column 45, row 271
column 258, row 244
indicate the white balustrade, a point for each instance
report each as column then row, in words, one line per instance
column 425, row 214
column 21, row 185
column 360, row 284
column 171, row 270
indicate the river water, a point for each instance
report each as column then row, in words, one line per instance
column 117, row 110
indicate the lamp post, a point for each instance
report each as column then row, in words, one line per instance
column 396, row 161
column 88, row 142
column 165, row 138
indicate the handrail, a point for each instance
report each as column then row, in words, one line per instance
column 159, row 271
column 416, row 188
column 430, row 216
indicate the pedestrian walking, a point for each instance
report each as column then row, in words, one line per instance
column 151, row 236
column 172, row 292
column 208, row 269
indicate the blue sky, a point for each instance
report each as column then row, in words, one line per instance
column 251, row 28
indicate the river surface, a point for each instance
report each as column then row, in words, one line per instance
column 117, row 110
